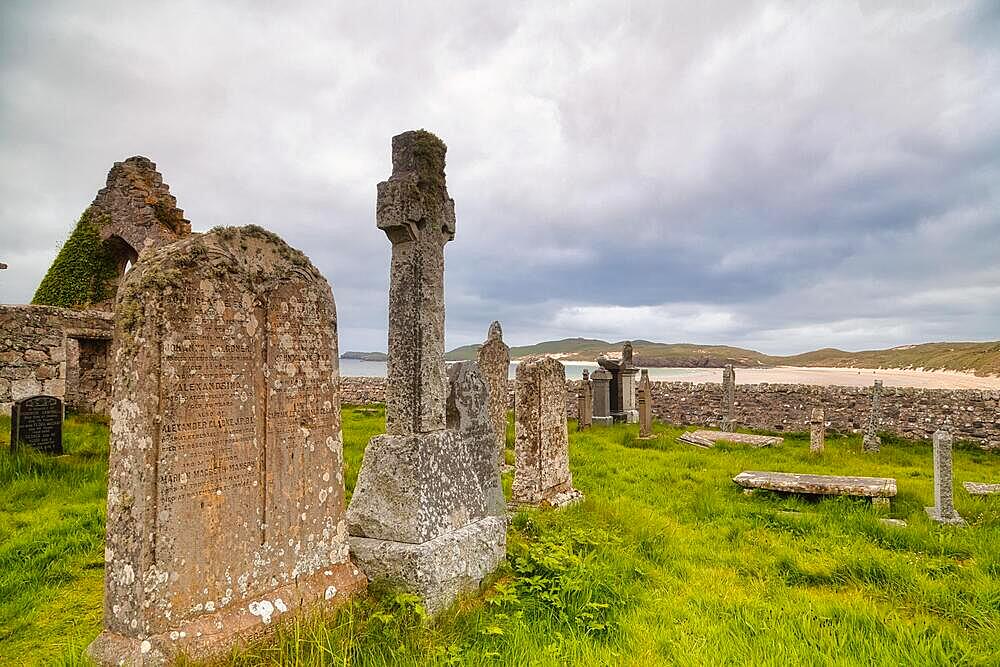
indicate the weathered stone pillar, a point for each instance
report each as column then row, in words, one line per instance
column 417, row 215
column 602, row 396
column 944, row 504
column 541, row 441
column 645, row 406
column 584, row 403
column 817, row 430
column 494, row 362
column 728, row 398
column 427, row 510
column 871, row 440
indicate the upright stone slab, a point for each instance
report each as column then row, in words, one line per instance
column 944, row 502
column 541, row 447
column 494, row 362
column 36, row 422
column 871, row 440
column 585, row 403
column 645, row 406
column 601, row 380
column 728, row 398
column 225, row 487
column 427, row 510
column 817, row 430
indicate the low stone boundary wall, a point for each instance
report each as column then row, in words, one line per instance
column 972, row 414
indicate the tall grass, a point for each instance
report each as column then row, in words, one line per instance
column 665, row 562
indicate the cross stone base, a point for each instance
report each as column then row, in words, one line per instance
column 213, row 635
column 603, row 421
column 440, row 569
column 951, row 519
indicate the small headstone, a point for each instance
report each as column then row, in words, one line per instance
column 601, row 381
column 728, row 398
column 817, row 430
column 225, row 485
column 541, row 454
column 584, row 403
column 944, row 503
column 645, row 406
column 36, row 422
column 871, row 440
column 494, row 362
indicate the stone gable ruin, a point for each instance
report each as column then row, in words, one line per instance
column 226, row 489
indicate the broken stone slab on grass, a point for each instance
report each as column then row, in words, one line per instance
column 879, row 489
column 981, row 489
column 707, row 439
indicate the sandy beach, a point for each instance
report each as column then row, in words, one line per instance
column 845, row 377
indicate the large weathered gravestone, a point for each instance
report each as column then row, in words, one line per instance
column 585, row 403
column 871, row 440
column 645, row 406
column 817, row 430
column 944, row 501
column 541, row 441
column 36, row 422
column 601, row 380
column 622, row 385
column 427, row 510
column 728, row 398
column 494, row 362
column 226, row 487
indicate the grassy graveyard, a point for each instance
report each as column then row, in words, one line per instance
column 665, row 562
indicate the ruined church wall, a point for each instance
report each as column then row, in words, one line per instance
column 34, row 341
column 972, row 414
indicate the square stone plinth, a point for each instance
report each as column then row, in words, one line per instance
column 213, row 635
column 604, row 421
column 440, row 569
column 952, row 519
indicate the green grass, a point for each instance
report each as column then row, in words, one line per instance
column 666, row 562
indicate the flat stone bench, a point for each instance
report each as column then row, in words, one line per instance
column 707, row 439
column 879, row 489
column 981, row 489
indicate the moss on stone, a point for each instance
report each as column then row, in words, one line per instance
column 428, row 156
column 84, row 272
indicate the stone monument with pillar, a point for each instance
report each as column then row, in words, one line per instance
column 622, row 387
column 871, row 442
column 817, row 430
column 645, row 406
column 428, row 510
column 944, row 493
column 728, row 398
column 585, row 403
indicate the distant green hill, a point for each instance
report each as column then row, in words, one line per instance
column 979, row 358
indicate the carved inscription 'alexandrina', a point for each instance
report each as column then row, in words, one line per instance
column 225, row 490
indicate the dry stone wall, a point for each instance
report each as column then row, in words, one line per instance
column 40, row 354
column 971, row 414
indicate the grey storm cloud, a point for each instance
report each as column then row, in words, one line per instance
column 781, row 176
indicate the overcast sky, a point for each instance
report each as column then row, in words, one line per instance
column 778, row 176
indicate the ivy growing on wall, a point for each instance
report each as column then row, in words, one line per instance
column 85, row 270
